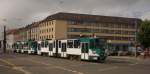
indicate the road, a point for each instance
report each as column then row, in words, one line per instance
column 14, row 63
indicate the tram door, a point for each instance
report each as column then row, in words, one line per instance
column 50, row 49
column 56, row 44
column 84, row 51
column 63, row 49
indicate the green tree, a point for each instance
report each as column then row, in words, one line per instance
column 144, row 34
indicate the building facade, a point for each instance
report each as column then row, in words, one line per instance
column 20, row 34
column 47, row 30
column 119, row 31
column 32, row 31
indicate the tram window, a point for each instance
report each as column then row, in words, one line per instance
column 26, row 44
column 70, row 43
column 82, row 48
column 64, row 47
column 42, row 44
column 50, row 47
column 76, row 43
column 86, row 47
column 92, row 44
column 100, row 43
column 17, row 46
column 22, row 46
column 54, row 44
column 35, row 44
column 46, row 43
column 39, row 47
column 59, row 44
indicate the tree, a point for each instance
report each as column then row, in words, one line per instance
column 144, row 34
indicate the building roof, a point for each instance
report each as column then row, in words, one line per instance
column 91, row 18
column 12, row 31
column 34, row 24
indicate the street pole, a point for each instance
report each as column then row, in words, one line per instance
column 4, row 42
column 136, row 26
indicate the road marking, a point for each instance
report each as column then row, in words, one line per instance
column 15, row 67
column 106, row 69
column 7, row 62
column 58, row 67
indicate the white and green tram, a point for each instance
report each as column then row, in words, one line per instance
column 82, row 48
column 18, row 46
column 29, row 47
column 47, row 47
column 32, row 47
column 86, row 48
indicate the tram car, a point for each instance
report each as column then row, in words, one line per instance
column 49, row 47
column 82, row 48
column 32, row 47
column 24, row 47
column 18, row 47
column 86, row 48
column 29, row 47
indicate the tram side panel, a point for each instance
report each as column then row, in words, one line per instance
column 73, row 48
column 44, row 48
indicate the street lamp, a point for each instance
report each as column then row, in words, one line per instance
column 4, row 37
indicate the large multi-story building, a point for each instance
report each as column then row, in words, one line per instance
column 119, row 31
column 33, row 31
column 20, row 34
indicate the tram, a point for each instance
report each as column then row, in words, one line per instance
column 29, row 47
column 32, row 47
column 17, row 46
column 86, row 48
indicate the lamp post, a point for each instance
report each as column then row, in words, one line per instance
column 4, row 37
column 4, row 41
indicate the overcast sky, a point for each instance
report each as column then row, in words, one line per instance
column 16, row 13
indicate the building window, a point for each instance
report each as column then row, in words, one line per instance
column 52, row 29
column 71, row 22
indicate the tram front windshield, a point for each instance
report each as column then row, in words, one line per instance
column 97, row 43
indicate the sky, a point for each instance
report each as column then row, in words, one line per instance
column 18, row 13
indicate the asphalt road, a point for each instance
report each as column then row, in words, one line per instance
column 15, row 63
